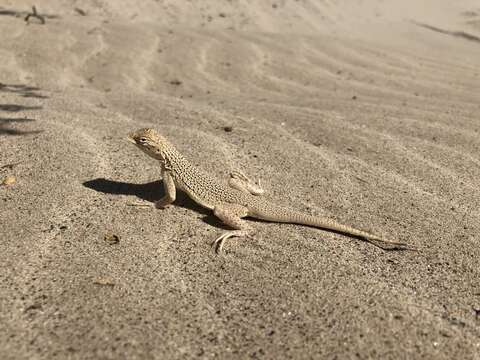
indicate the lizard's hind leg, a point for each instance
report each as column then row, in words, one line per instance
column 241, row 182
column 231, row 215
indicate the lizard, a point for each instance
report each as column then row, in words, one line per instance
column 232, row 202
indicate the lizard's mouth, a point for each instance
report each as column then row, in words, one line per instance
column 131, row 139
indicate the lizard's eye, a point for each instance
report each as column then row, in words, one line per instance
column 142, row 140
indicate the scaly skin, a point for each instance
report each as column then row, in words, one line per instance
column 236, row 201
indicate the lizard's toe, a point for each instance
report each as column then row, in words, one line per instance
column 220, row 241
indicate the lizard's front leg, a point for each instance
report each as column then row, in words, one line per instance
column 231, row 215
column 241, row 182
column 170, row 191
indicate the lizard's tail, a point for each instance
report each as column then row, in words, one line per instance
column 293, row 217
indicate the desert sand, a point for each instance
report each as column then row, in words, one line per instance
column 367, row 112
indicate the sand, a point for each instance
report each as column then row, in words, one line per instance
column 366, row 112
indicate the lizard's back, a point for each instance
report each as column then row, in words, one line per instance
column 204, row 188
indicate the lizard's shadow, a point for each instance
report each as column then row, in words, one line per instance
column 151, row 192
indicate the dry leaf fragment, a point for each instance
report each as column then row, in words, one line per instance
column 111, row 238
column 9, row 180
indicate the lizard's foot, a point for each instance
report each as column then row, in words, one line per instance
column 160, row 205
column 220, row 241
column 163, row 203
column 231, row 214
column 241, row 182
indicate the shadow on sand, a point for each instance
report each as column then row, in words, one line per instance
column 460, row 34
column 151, row 192
column 5, row 130
column 23, row 91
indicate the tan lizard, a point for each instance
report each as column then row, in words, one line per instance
column 230, row 203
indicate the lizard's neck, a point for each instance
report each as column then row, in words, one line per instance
column 174, row 161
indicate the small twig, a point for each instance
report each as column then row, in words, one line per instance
column 360, row 179
column 35, row 15
column 9, row 166
column 80, row 11
column 138, row 204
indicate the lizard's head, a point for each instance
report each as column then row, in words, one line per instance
column 150, row 142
